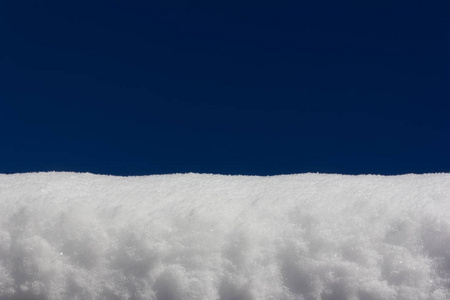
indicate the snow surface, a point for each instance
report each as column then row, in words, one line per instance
column 191, row 236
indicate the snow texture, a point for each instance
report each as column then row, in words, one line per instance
column 191, row 236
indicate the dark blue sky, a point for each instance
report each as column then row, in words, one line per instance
column 150, row 87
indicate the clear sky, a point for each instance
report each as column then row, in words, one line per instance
column 252, row 87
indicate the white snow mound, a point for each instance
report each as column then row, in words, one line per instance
column 173, row 237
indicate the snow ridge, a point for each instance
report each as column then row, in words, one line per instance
column 193, row 236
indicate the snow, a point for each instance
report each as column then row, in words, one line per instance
column 192, row 236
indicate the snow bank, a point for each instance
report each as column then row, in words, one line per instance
column 310, row 236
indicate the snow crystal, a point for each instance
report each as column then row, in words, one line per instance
column 191, row 236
